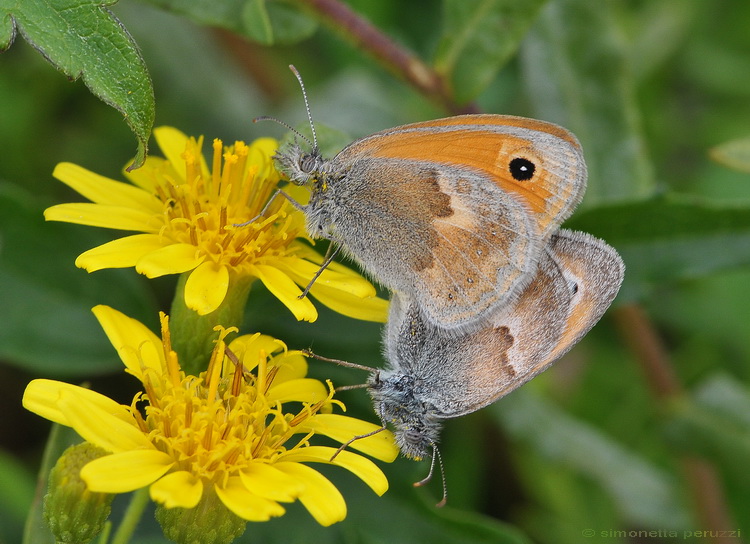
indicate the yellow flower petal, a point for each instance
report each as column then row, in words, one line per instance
column 367, row 309
column 100, row 427
column 246, row 504
column 173, row 144
column 179, row 489
column 260, row 150
column 338, row 287
column 270, row 483
column 119, row 253
column 250, row 348
column 136, row 345
column 260, row 154
column 148, row 176
column 42, row 397
column 206, row 287
column 283, row 288
column 309, row 253
column 363, row 468
column 171, row 259
column 320, row 497
column 105, row 216
column 301, row 390
column 103, row 190
column 125, row 471
column 380, row 445
column 292, row 365
column 302, row 272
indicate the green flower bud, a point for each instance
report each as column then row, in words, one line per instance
column 73, row 513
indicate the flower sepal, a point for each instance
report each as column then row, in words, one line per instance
column 193, row 333
column 210, row 522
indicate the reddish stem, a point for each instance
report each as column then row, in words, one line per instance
column 400, row 61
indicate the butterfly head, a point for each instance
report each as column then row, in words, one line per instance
column 416, row 426
column 302, row 167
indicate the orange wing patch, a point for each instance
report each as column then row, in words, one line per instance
column 477, row 150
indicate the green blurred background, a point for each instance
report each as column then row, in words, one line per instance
column 650, row 87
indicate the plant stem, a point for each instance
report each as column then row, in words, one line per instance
column 400, row 61
column 707, row 492
column 133, row 514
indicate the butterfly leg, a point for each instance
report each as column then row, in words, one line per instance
column 329, row 256
column 353, row 439
column 278, row 192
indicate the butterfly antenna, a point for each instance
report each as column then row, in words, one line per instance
column 436, row 455
column 285, row 125
column 340, row 362
column 307, row 106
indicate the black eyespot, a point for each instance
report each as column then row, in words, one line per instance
column 574, row 287
column 521, row 169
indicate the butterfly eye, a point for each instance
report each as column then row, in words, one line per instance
column 306, row 163
column 521, row 169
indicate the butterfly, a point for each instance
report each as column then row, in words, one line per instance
column 456, row 212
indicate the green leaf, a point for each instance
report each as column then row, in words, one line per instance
column 16, row 496
column 565, row 504
column 258, row 21
column 272, row 22
column 267, row 22
column 478, row 38
column 658, row 30
column 82, row 38
column 669, row 238
column 715, row 421
column 576, row 72
column 390, row 519
column 725, row 395
column 644, row 493
column 7, row 32
column 48, row 327
column 733, row 154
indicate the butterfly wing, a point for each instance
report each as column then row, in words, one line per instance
column 594, row 271
column 577, row 279
column 474, row 199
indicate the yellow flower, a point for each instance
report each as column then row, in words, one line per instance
column 229, row 431
column 186, row 214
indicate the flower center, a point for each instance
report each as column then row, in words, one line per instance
column 214, row 425
column 203, row 210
